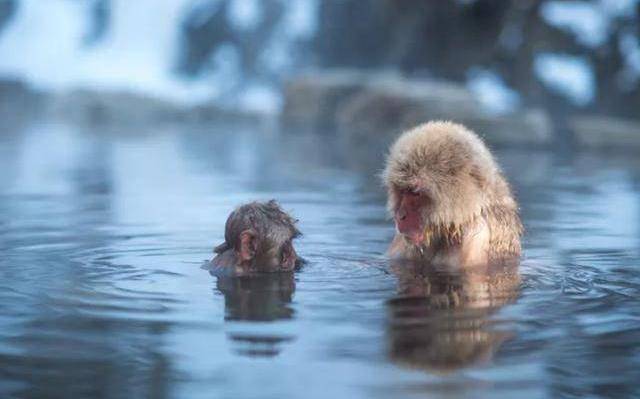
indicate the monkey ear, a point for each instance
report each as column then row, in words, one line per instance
column 248, row 245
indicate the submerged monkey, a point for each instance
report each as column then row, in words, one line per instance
column 450, row 202
column 258, row 237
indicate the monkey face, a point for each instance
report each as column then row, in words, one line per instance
column 451, row 170
column 277, row 256
column 408, row 214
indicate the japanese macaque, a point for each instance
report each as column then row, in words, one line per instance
column 258, row 238
column 450, row 202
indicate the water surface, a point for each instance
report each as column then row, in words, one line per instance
column 103, row 234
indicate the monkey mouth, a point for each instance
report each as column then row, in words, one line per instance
column 415, row 237
column 412, row 232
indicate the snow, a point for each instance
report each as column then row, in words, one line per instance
column 570, row 76
column 630, row 49
column 619, row 8
column 43, row 45
column 585, row 20
column 590, row 22
column 492, row 92
column 301, row 18
column 260, row 98
column 244, row 14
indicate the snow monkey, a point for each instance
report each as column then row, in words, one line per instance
column 258, row 238
column 450, row 202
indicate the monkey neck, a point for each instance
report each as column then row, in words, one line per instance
column 439, row 241
column 443, row 236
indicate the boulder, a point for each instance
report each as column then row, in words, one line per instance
column 91, row 107
column 524, row 128
column 394, row 106
column 18, row 101
column 605, row 132
column 313, row 100
column 362, row 105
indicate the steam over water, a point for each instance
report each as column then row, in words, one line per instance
column 103, row 235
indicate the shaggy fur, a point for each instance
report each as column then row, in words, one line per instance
column 272, row 228
column 268, row 220
column 471, row 215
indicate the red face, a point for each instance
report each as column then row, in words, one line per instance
column 408, row 215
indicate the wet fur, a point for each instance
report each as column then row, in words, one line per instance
column 472, row 217
column 271, row 225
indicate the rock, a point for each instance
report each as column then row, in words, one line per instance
column 605, row 132
column 365, row 105
column 86, row 106
column 91, row 107
column 313, row 100
column 393, row 106
column 18, row 101
column 525, row 128
column 213, row 112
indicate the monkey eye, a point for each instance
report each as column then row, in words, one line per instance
column 286, row 252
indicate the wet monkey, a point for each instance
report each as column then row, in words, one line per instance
column 258, row 238
column 448, row 198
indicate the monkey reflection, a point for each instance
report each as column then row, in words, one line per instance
column 440, row 319
column 260, row 297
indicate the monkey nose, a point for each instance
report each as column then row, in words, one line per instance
column 401, row 214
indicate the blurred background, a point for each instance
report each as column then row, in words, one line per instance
column 561, row 58
column 130, row 129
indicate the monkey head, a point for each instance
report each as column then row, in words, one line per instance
column 258, row 238
column 439, row 177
